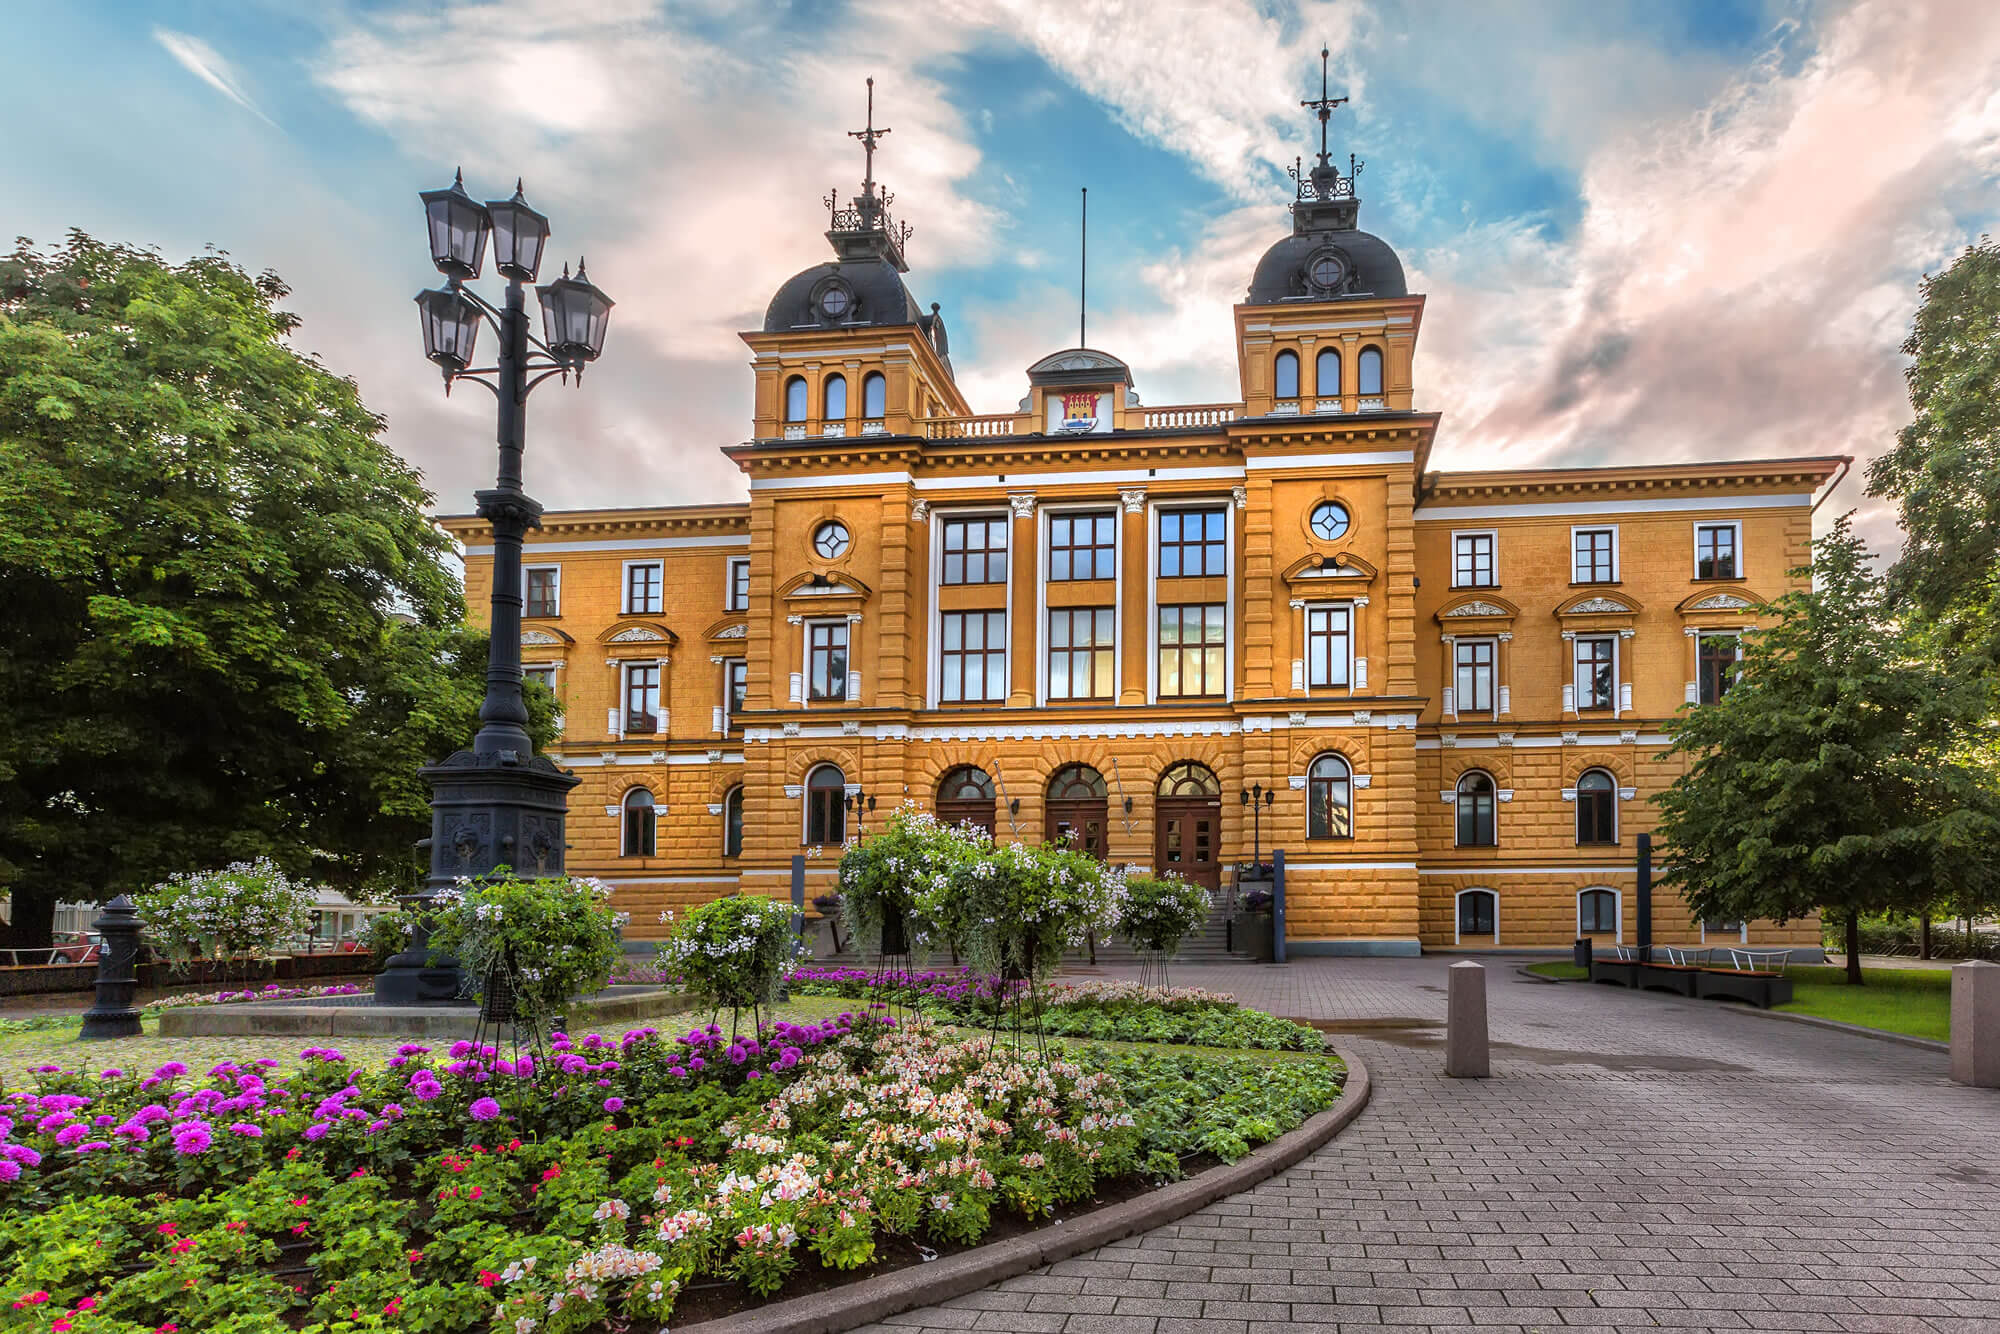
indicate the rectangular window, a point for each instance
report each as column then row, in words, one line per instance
column 1082, row 660
column 1715, row 664
column 642, row 587
column 1193, row 644
column 735, row 686
column 1191, row 543
column 1715, row 551
column 1328, row 645
column 544, row 674
column 1472, row 669
column 1596, row 552
column 739, row 584
column 975, row 550
column 544, row 589
column 826, row 657
column 1472, row 560
column 972, row 658
column 642, row 697
column 1596, row 676
column 1082, row 546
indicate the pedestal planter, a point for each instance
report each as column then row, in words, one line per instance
column 1253, row 935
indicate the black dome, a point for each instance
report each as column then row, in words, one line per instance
column 1372, row 266
column 873, row 290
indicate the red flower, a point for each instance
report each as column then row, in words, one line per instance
column 395, row 1305
column 291, row 1154
column 299, row 1231
column 487, row 1278
column 416, row 1257
column 167, row 1229
column 476, row 1192
column 553, row 1172
column 357, row 1173
column 302, row 1202
column 184, row 1245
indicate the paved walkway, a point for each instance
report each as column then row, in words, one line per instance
column 1637, row 1162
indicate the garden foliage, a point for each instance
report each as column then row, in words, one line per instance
column 554, row 934
column 244, row 911
column 1161, row 911
column 731, row 952
column 900, row 879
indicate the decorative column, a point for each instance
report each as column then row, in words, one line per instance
column 1137, row 611
column 1299, row 646
column 1450, row 694
column 1623, row 704
column 1503, row 666
column 1356, row 614
column 1023, row 635
column 853, row 645
column 797, row 693
column 1692, row 661
column 1569, row 674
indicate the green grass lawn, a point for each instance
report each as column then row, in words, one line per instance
column 1915, row 1001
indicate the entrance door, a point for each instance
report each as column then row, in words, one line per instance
column 1187, row 824
column 966, row 797
column 1077, row 809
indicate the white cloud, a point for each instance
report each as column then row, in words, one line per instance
column 205, row 63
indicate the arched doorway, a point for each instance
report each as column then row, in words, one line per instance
column 965, row 796
column 1187, row 824
column 1077, row 809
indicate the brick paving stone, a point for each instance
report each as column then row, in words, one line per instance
column 1637, row 1162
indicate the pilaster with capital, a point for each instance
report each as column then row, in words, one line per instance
column 1137, row 606
column 1023, row 635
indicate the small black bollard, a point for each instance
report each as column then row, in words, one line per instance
column 1582, row 953
column 113, row 1015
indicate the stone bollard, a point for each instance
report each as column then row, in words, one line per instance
column 113, row 1015
column 1975, row 1024
column 1465, row 1048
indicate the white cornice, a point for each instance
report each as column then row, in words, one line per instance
column 1438, row 512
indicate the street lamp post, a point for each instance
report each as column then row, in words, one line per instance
column 859, row 802
column 1257, row 799
column 497, row 803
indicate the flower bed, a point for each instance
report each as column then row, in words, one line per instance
column 466, row 1191
column 1113, row 1011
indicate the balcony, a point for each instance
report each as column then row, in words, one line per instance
column 969, row 428
column 1192, row 414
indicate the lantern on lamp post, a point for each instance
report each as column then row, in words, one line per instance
column 496, row 803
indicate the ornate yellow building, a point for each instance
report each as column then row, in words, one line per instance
column 1090, row 617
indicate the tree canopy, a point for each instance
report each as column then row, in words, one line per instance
column 1944, row 472
column 233, row 631
column 1845, row 769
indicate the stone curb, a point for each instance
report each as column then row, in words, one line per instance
column 1526, row 976
column 874, row 1299
column 1880, row 1035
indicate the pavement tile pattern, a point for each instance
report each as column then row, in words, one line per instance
column 1637, row 1162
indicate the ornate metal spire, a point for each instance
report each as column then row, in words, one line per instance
column 865, row 223
column 1324, row 198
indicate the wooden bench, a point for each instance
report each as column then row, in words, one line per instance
column 1760, row 989
column 1618, row 972
column 1678, row 978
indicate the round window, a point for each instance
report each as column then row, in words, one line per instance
column 1329, row 520
column 834, row 301
column 830, row 539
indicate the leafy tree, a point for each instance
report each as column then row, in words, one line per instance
column 1944, row 473
column 232, row 630
column 1844, row 770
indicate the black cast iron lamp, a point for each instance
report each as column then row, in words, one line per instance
column 496, row 804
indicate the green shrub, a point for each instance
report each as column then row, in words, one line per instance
column 243, row 911
column 731, row 951
column 1161, row 911
column 554, row 933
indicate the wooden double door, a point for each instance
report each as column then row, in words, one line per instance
column 1078, row 823
column 1187, row 838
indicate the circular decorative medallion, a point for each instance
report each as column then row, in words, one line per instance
column 831, row 540
column 1329, row 520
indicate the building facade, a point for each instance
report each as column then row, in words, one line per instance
column 1180, row 635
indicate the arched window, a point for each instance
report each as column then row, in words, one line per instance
column 1326, row 373
column 1329, row 798
column 1370, row 367
column 874, row 395
column 826, row 810
column 1597, row 912
column 732, row 823
column 1475, row 811
column 965, row 796
column 1076, row 782
column 1596, row 808
column 1478, row 916
column 1285, row 375
column 1188, row 779
column 836, row 399
column 795, row 399
column 639, row 824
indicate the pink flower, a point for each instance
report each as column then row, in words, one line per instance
column 483, row 1109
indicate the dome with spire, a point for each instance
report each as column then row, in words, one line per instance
column 1327, row 257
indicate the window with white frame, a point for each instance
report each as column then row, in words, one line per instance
column 1477, row 825
column 826, row 659
column 1478, row 913
column 1329, row 645
column 1083, row 546
column 543, row 588
column 1082, row 653
column 826, row 806
column 975, row 550
column 1193, row 643
column 1472, row 674
column 1472, row 560
column 1596, row 807
column 739, row 584
column 640, row 824
column 1596, row 672
column 641, row 697
column 1715, row 657
column 643, row 589
column 1192, row 544
column 1594, row 555
column 972, row 657
column 732, row 823
column 1597, row 912
column 1369, row 371
column 1329, row 797
column 735, row 687
column 544, row 673
column 1718, row 550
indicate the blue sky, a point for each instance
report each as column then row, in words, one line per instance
column 1646, row 230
